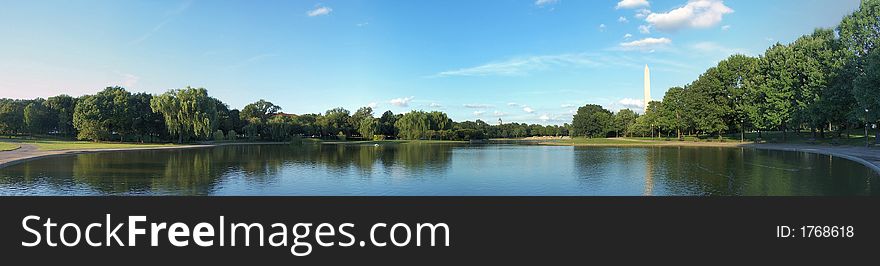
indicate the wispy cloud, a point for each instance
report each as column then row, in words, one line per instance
column 645, row 44
column 401, row 102
column 372, row 105
column 630, row 103
column 528, row 110
column 479, row 113
column 712, row 47
column 477, row 106
column 545, row 2
column 622, row 20
column 319, row 11
column 435, row 105
column 168, row 17
column 522, row 65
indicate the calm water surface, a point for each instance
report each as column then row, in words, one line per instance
column 441, row 169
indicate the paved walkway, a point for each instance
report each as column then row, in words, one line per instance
column 870, row 157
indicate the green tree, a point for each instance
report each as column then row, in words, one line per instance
column 62, row 107
column 37, row 118
column 359, row 116
column 368, row 127
column 336, row 120
column 89, row 118
column 413, row 125
column 867, row 88
column 386, row 124
column 623, row 119
column 188, row 112
column 591, row 121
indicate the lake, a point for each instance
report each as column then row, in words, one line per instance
column 441, row 169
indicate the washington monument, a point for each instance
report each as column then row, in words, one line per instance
column 647, row 87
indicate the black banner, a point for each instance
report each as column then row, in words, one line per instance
column 496, row 230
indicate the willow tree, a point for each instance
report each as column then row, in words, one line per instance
column 413, row 125
column 188, row 112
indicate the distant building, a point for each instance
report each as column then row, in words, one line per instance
column 647, row 87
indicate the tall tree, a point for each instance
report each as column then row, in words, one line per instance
column 359, row 116
column 623, row 119
column 591, row 121
column 62, row 107
column 37, row 118
column 188, row 112
column 867, row 89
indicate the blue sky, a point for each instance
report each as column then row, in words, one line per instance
column 520, row 60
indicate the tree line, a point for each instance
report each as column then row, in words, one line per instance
column 826, row 81
column 190, row 114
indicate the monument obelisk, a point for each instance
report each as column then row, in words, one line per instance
column 647, row 87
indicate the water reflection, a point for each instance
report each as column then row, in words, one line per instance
column 440, row 169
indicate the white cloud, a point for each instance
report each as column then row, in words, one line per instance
column 477, row 106
column 129, row 81
column 711, row 47
column 319, row 11
column 644, row 29
column 622, row 20
column 602, row 27
column 435, row 105
column 725, row 27
column 628, row 4
column 627, row 36
column 528, row 109
column 401, row 102
column 645, row 44
column 521, row 66
column 372, row 105
column 544, row 117
column 498, row 113
column 545, row 2
column 479, row 113
column 642, row 13
column 632, row 103
column 695, row 14
column 567, row 105
column 512, row 104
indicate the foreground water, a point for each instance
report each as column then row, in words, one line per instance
column 441, row 169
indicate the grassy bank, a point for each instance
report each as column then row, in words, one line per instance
column 55, row 145
column 850, row 137
column 6, row 146
column 600, row 142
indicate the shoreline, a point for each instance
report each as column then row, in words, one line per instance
column 869, row 157
column 28, row 152
column 865, row 156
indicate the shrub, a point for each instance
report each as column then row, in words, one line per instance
column 231, row 135
column 218, row 135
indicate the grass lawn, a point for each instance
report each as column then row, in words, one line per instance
column 855, row 137
column 52, row 145
column 601, row 141
column 362, row 142
column 6, row 146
